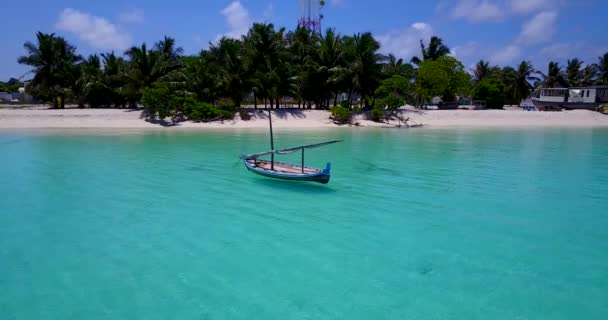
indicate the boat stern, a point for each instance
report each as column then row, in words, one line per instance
column 327, row 169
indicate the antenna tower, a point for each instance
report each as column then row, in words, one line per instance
column 310, row 15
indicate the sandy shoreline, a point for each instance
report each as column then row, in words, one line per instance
column 296, row 119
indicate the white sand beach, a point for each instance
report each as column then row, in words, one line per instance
column 296, row 118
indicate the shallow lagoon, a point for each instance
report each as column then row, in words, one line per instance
column 414, row 224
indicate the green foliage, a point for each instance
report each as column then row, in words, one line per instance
column 491, row 91
column 377, row 114
column 160, row 102
column 53, row 61
column 603, row 69
column 434, row 51
column 391, row 102
column 392, row 92
column 266, row 65
column 202, row 110
column 443, row 77
column 341, row 114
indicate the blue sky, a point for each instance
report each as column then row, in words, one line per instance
column 504, row 32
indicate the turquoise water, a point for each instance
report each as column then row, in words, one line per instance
column 414, row 224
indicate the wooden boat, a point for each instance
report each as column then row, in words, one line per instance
column 286, row 171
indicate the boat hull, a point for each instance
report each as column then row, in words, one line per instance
column 285, row 171
column 550, row 105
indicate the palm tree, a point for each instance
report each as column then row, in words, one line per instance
column 435, row 50
column 169, row 55
column 366, row 67
column 589, row 75
column 150, row 65
column 483, row 70
column 199, row 76
column 114, row 76
column 521, row 82
column 332, row 56
column 553, row 77
column 303, row 45
column 53, row 60
column 89, row 84
column 508, row 76
column 573, row 72
column 395, row 67
column 267, row 54
column 603, row 69
column 232, row 76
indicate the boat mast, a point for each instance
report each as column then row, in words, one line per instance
column 271, row 140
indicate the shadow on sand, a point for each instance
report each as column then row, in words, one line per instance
column 163, row 123
column 279, row 113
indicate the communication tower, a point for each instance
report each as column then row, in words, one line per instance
column 310, row 15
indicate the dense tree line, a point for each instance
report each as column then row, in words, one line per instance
column 269, row 65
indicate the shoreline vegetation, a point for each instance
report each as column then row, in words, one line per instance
column 327, row 80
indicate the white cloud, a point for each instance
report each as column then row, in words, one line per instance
column 568, row 50
column 98, row 32
column 467, row 51
column 477, row 10
column 539, row 28
column 237, row 18
column 406, row 43
column 527, row 6
column 134, row 16
column 496, row 10
column 506, row 55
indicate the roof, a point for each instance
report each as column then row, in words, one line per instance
column 590, row 87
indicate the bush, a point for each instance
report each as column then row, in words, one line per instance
column 377, row 114
column 159, row 102
column 341, row 114
column 202, row 111
column 391, row 101
column 491, row 91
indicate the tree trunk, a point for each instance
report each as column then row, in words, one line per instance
column 265, row 105
column 350, row 99
column 62, row 102
column 299, row 104
column 336, row 100
column 255, row 101
column 55, row 102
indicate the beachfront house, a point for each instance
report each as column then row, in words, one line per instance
column 589, row 98
column 588, row 94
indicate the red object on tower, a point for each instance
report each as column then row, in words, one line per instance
column 310, row 15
